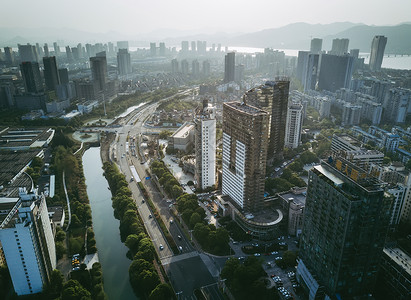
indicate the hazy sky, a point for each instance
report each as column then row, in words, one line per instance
column 137, row 16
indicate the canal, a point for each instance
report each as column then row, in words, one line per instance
column 111, row 251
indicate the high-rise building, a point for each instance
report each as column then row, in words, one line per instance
column 293, row 126
column 316, row 46
column 63, row 75
column 229, row 67
column 245, row 143
column 28, row 243
column 28, row 53
column 205, row 146
column 184, row 47
column 122, row 45
column 56, row 49
column 345, row 223
column 377, row 52
column 310, row 75
column 184, row 66
column 162, row 49
column 39, row 51
column 153, row 49
column 98, row 65
column 9, row 56
column 273, row 98
column 51, row 75
column 174, row 66
column 206, row 68
column 195, row 67
column 302, row 63
column 123, row 62
column 193, row 47
column 46, row 50
column 335, row 72
column 31, row 77
column 339, row 46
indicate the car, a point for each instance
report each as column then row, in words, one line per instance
column 171, row 221
column 241, row 258
column 150, row 216
column 161, row 247
column 143, row 202
column 257, row 254
column 274, row 253
column 180, row 248
column 179, row 237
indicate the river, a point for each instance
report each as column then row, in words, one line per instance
column 111, row 251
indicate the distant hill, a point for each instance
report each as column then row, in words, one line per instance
column 298, row 36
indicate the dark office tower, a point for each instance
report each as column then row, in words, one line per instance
column 184, row 66
column 8, row 54
column 302, row 64
column 273, row 98
column 346, row 218
column 46, row 50
column 245, row 140
column 229, row 67
column 377, row 52
column 206, row 68
column 335, row 72
column 355, row 53
column 195, row 67
column 184, row 47
column 219, row 48
column 27, row 53
column 162, row 49
column 111, row 48
column 98, row 65
column 63, row 75
column 174, row 66
column 56, row 49
column 79, row 51
column 310, row 77
column 123, row 62
column 31, row 77
column 122, row 45
column 316, row 46
column 153, row 49
column 193, row 47
column 339, row 46
column 51, row 76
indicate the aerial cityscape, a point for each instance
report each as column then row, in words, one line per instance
column 205, row 150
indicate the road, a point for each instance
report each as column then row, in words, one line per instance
column 187, row 270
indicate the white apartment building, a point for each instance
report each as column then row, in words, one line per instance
column 293, row 126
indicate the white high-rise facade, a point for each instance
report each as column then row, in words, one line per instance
column 293, row 126
column 28, row 243
column 205, row 141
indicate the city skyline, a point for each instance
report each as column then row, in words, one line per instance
column 136, row 18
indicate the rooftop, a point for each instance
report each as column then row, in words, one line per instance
column 243, row 107
column 24, row 138
column 400, row 258
column 183, row 131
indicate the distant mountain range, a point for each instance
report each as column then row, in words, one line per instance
column 292, row 36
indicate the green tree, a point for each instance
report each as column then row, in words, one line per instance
column 55, row 286
column 73, row 290
column 194, row 219
column 163, row 291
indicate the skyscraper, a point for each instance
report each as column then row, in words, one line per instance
column 193, row 47
column 51, row 75
column 28, row 53
column 123, row 62
column 31, row 77
column 98, row 66
column 184, row 66
column 153, row 49
column 229, row 67
column 335, row 72
column 122, row 45
column 206, row 68
column 56, row 49
column 273, row 98
column 184, row 47
column 195, row 67
column 316, row 46
column 377, row 52
column 162, row 49
column 63, row 75
column 28, row 244
column 9, row 56
column 345, row 222
column 46, row 50
column 205, row 146
column 174, row 66
column 294, row 125
column 339, row 46
column 302, row 63
column 245, row 143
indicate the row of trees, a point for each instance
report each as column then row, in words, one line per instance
column 143, row 276
column 166, row 179
column 212, row 239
